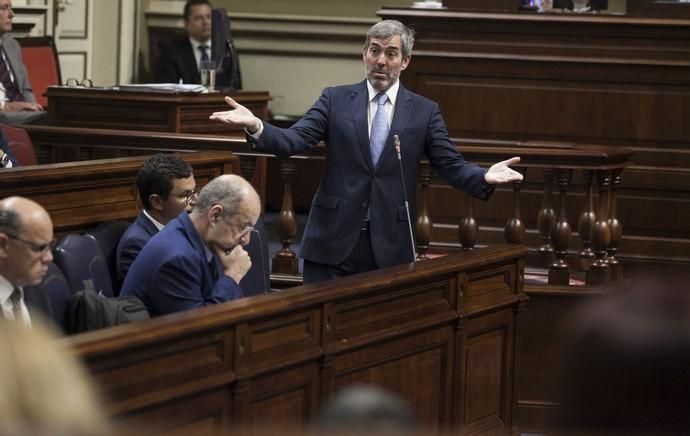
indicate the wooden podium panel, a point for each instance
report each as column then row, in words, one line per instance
column 112, row 108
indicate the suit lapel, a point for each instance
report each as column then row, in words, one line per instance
column 359, row 101
column 190, row 63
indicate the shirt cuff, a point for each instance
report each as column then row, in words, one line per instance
column 256, row 135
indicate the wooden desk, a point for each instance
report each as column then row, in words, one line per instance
column 440, row 333
column 154, row 111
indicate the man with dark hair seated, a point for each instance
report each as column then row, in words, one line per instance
column 198, row 259
column 166, row 187
column 180, row 60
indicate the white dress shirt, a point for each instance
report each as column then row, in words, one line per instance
column 6, row 289
column 197, row 52
column 392, row 94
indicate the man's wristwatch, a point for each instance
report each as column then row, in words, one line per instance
column 4, row 160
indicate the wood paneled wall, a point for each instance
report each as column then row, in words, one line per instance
column 609, row 80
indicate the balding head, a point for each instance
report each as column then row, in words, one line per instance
column 226, row 211
column 26, row 233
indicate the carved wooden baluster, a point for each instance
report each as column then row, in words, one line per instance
column 285, row 261
column 559, row 273
column 600, row 272
column 515, row 228
column 248, row 166
column 615, row 227
column 424, row 225
column 468, row 228
column 586, row 221
column 547, row 216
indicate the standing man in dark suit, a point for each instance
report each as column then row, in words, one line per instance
column 181, row 59
column 198, row 259
column 17, row 101
column 26, row 238
column 166, row 188
column 357, row 220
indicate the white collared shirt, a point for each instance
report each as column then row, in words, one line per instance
column 158, row 225
column 6, row 289
column 392, row 94
column 197, row 52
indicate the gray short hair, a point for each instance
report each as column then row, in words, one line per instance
column 226, row 190
column 10, row 222
column 389, row 28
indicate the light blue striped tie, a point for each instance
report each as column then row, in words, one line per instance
column 379, row 128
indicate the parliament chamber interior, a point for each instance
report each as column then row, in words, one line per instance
column 557, row 306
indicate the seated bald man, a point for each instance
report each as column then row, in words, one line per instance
column 26, row 238
column 198, row 259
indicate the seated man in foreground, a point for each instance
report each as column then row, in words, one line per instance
column 167, row 188
column 198, row 258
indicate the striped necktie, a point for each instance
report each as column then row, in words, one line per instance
column 16, row 299
column 379, row 128
column 203, row 48
column 12, row 93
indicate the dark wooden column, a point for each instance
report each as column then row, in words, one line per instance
column 547, row 216
column 515, row 228
column 586, row 221
column 559, row 273
column 424, row 224
column 468, row 228
column 285, row 261
column 615, row 227
column 600, row 272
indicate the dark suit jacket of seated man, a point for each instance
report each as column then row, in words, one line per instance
column 166, row 187
column 198, row 259
column 180, row 59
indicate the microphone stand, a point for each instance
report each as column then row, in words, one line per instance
column 396, row 142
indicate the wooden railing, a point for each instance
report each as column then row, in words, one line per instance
column 554, row 164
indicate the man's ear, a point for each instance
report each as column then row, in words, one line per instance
column 405, row 62
column 4, row 252
column 156, row 201
column 215, row 213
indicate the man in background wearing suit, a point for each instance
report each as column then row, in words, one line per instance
column 357, row 220
column 198, row 259
column 181, row 59
column 17, row 101
column 26, row 239
column 166, row 188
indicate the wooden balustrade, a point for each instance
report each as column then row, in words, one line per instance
column 600, row 233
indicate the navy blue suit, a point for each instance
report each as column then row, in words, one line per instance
column 171, row 273
column 132, row 241
column 351, row 185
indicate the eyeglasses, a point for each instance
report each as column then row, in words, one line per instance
column 244, row 229
column 72, row 82
column 5, row 8
column 189, row 196
column 36, row 248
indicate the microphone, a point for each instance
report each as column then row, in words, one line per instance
column 396, row 143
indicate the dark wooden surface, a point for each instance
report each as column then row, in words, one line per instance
column 80, row 195
column 611, row 80
column 440, row 333
column 111, row 108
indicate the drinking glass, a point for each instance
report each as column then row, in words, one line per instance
column 208, row 74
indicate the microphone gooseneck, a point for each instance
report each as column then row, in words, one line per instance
column 396, row 143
